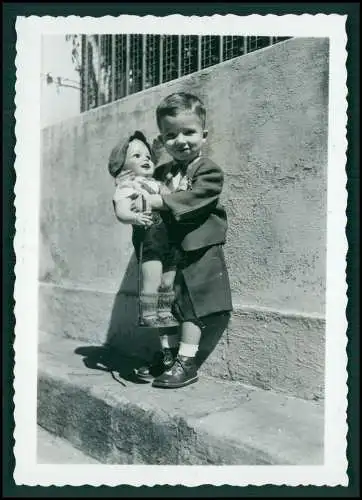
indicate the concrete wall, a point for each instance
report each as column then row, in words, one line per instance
column 267, row 120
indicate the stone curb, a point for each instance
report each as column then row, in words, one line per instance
column 219, row 423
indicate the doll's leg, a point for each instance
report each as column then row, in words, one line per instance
column 166, row 299
column 169, row 340
column 151, row 280
column 168, row 279
column 163, row 358
column 169, row 337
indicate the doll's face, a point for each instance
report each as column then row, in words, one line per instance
column 183, row 135
column 138, row 159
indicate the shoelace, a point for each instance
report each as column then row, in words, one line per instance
column 180, row 362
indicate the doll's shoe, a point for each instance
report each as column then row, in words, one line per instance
column 162, row 360
column 150, row 321
column 183, row 372
column 167, row 319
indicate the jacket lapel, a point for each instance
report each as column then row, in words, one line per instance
column 173, row 168
column 192, row 167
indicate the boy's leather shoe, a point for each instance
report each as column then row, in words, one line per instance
column 183, row 372
column 162, row 361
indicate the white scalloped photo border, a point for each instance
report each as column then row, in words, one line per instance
column 27, row 189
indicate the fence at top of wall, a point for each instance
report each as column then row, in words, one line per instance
column 115, row 66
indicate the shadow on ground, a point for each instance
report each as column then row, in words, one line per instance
column 108, row 359
column 122, row 365
column 128, row 346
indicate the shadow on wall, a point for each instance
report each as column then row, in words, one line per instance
column 128, row 346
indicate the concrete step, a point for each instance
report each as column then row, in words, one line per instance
column 273, row 350
column 52, row 449
column 88, row 396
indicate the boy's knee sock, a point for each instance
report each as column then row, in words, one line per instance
column 188, row 350
column 148, row 304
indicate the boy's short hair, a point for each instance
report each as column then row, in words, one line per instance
column 119, row 152
column 180, row 101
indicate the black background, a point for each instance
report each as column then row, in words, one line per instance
column 10, row 11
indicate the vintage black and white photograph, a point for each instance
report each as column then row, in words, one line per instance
column 180, row 276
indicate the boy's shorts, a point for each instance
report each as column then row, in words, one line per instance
column 202, row 286
column 157, row 245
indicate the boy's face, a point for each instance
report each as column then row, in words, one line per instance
column 183, row 135
column 138, row 159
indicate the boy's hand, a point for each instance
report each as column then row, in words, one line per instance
column 144, row 202
column 164, row 189
column 152, row 201
column 143, row 219
column 155, row 202
column 150, row 188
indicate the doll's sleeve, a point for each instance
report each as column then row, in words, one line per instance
column 122, row 204
column 123, row 192
column 202, row 196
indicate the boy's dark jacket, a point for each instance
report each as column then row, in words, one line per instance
column 195, row 217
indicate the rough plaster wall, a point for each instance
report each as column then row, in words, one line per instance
column 266, row 349
column 267, row 120
column 267, row 117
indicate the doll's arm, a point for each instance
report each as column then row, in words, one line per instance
column 124, row 213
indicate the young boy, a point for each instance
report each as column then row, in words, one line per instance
column 132, row 166
column 197, row 223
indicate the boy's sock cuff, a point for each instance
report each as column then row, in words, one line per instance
column 188, row 350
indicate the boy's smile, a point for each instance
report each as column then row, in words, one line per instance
column 183, row 135
column 138, row 159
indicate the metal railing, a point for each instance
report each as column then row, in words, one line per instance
column 115, row 66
